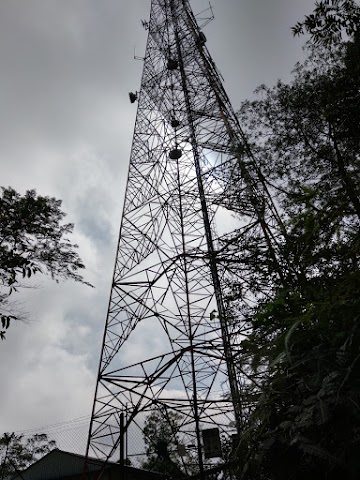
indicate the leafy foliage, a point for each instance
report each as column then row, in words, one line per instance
column 17, row 453
column 300, row 332
column 160, row 432
column 329, row 20
column 33, row 240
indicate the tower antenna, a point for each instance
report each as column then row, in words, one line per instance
column 170, row 341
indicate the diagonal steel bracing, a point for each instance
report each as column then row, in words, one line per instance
column 162, row 345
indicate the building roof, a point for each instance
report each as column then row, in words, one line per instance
column 60, row 464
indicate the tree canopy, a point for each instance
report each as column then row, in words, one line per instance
column 18, row 452
column 330, row 21
column 33, row 240
column 300, row 329
column 160, row 433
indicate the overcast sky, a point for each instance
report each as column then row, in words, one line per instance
column 66, row 67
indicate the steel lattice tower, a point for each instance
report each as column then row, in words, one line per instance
column 162, row 345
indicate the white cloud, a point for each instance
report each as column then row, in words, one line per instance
column 42, row 379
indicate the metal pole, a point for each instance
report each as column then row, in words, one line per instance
column 122, row 447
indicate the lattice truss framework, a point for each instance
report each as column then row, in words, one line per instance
column 162, row 347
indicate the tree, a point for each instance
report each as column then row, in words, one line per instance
column 330, row 20
column 301, row 351
column 18, row 452
column 33, row 240
column 161, row 431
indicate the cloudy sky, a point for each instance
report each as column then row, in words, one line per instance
column 66, row 67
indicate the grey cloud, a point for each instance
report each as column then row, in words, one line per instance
column 65, row 128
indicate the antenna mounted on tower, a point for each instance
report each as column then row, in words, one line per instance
column 204, row 17
column 163, row 348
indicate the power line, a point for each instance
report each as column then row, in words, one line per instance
column 56, row 427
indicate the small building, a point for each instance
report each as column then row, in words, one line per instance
column 59, row 464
